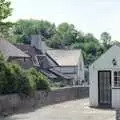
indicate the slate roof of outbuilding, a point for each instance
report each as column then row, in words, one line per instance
column 9, row 50
column 30, row 50
column 65, row 57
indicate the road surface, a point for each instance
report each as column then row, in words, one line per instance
column 73, row 110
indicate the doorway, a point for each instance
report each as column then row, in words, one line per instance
column 104, row 88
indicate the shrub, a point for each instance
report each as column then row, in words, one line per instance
column 40, row 80
column 14, row 79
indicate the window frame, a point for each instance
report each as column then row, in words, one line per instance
column 117, row 85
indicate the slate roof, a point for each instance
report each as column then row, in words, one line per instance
column 60, row 74
column 48, row 74
column 65, row 57
column 9, row 50
column 30, row 50
column 35, row 54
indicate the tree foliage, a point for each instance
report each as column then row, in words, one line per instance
column 40, row 80
column 23, row 29
column 13, row 79
column 63, row 36
column 5, row 11
column 106, row 39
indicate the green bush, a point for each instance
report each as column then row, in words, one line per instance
column 13, row 79
column 40, row 80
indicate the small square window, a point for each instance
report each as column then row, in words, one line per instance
column 117, row 79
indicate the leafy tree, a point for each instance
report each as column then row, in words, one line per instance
column 79, row 37
column 23, row 29
column 55, row 42
column 90, row 45
column 5, row 11
column 106, row 39
column 66, row 34
column 89, row 37
column 93, row 50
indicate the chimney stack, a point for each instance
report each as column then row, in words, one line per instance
column 36, row 41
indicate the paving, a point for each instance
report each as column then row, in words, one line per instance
column 73, row 110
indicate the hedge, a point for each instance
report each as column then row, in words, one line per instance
column 14, row 79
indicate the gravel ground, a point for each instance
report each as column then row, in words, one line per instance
column 73, row 110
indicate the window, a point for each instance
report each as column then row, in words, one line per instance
column 117, row 79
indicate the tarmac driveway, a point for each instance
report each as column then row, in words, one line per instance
column 73, row 110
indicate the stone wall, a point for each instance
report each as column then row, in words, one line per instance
column 15, row 103
column 118, row 114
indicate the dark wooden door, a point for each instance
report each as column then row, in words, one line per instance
column 104, row 88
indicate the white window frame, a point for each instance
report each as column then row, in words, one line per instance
column 118, row 76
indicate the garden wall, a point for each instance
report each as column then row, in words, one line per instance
column 118, row 114
column 15, row 103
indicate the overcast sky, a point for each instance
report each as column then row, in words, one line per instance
column 94, row 16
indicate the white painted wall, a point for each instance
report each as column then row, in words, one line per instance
column 81, row 68
column 116, row 98
column 93, row 89
column 104, row 63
